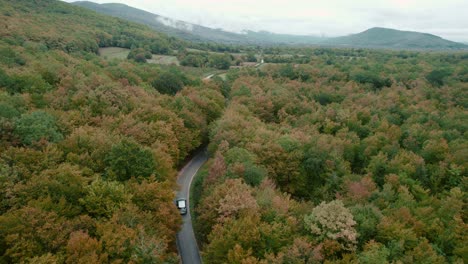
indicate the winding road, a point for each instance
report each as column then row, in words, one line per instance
column 186, row 242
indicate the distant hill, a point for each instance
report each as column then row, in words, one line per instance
column 193, row 32
column 80, row 29
column 394, row 39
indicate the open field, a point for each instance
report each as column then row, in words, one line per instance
column 122, row 53
column 235, row 55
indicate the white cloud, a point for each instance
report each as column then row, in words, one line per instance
column 174, row 23
column 447, row 18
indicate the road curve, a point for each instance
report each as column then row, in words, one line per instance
column 209, row 77
column 186, row 242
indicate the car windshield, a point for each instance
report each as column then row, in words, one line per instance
column 181, row 204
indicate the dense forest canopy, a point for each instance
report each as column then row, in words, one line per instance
column 318, row 155
column 357, row 156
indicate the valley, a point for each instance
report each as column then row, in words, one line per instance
column 285, row 150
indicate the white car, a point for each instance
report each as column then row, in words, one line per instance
column 181, row 204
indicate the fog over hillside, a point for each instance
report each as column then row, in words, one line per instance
column 323, row 18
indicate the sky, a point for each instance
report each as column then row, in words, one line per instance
column 445, row 18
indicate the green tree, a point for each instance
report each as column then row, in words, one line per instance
column 375, row 80
column 438, row 77
column 287, row 71
column 193, row 60
column 56, row 189
column 220, row 61
column 253, row 174
column 224, row 238
column 29, row 232
column 250, row 57
column 160, row 46
column 36, row 126
column 374, row 253
column 9, row 57
column 103, row 198
column 5, row 80
column 313, row 165
column 367, row 218
column 168, row 82
column 7, row 111
column 139, row 55
column 128, row 159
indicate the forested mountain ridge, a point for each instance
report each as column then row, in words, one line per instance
column 89, row 147
column 72, row 28
column 193, row 32
column 371, row 38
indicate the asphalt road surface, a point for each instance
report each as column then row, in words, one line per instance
column 186, row 242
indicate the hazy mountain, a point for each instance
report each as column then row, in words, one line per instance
column 371, row 38
column 195, row 32
column 395, row 39
column 268, row 37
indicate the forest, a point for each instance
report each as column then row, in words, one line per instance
column 358, row 156
column 317, row 156
column 89, row 148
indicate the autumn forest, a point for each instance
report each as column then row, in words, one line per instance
column 318, row 156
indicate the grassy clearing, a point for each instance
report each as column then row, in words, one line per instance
column 203, row 72
column 114, row 53
column 164, row 60
column 215, row 52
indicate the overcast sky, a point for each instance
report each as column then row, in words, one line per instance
column 446, row 18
